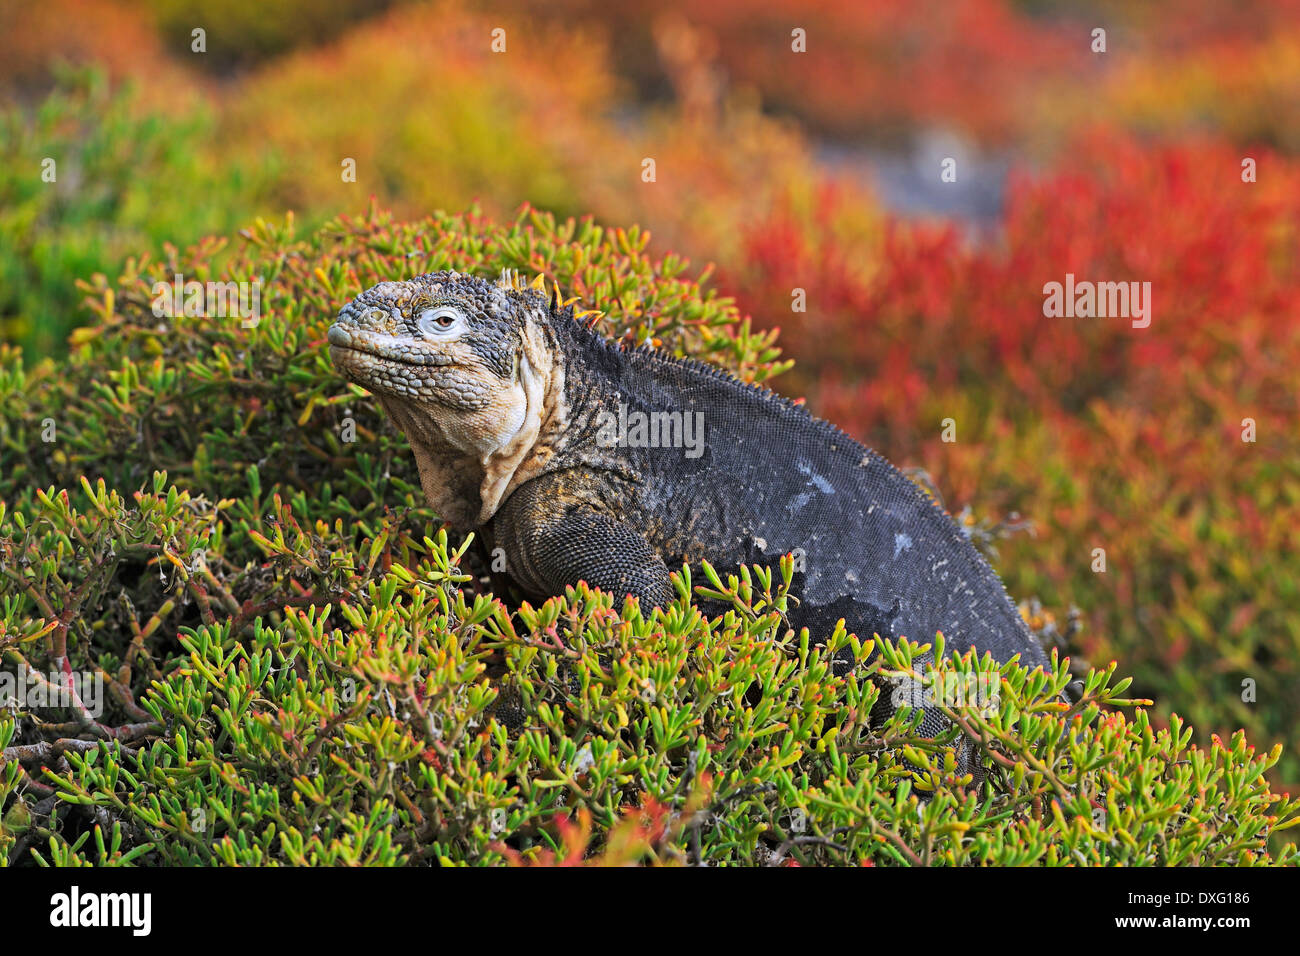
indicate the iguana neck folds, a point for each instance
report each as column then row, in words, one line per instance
column 538, row 400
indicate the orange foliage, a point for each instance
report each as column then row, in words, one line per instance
column 36, row 37
column 1107, row 436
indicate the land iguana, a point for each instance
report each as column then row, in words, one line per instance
column 587, row 461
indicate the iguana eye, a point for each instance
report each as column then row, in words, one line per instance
column 439, row 321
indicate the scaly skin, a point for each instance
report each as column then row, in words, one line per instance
column 508, row 402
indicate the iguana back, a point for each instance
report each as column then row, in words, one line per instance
column 587, row 461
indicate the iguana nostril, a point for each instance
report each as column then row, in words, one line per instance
column 339, row 336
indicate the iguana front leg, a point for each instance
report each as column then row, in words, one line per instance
column 552, row 541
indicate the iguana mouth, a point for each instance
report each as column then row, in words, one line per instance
column 371, row 365
column 387, row 347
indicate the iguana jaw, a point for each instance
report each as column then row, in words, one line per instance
column 476, row 416
column 496, row 446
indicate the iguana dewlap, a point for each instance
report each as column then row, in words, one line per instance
column 589, row 462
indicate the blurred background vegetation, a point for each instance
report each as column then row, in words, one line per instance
column 816, row 171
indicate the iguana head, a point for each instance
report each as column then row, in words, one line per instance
column 466, row 368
